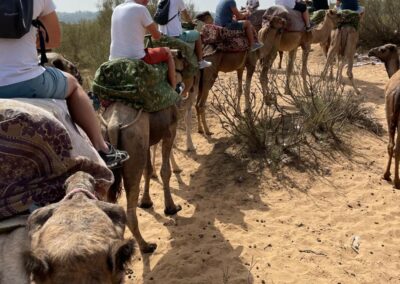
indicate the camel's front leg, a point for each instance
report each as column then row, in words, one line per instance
column 153, row 160
column 170, row 207
column 396, row 161
column 289, row 69
column 146, row 199
column 332, row 51
column 188, row 121
column 250, row 68
column 207, row 83
column 390, row 148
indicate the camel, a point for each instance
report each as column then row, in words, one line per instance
column 77, row 240
column 343, row 45
column 389, row 55
column 290, row 41
column 135, row 131
column 229, row 62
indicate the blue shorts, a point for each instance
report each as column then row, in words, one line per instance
column 237, row 26
column 189, row 36
column 52, row 84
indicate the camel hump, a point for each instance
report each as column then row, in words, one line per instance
column 294, row 19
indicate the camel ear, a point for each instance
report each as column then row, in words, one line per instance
column 39, row 217
column 59, row 64
column 121, row 255
column 38, row 266
column 116, row 213
column 392, row 48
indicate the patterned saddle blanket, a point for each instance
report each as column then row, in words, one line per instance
column 135, row 83
column 39, row 148
column 349, row 18
column 223, row 39
column 294, row 19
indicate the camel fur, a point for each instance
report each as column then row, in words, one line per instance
column 389, row 55
column 77, row 240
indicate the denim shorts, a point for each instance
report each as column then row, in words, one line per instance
column 237, row 26
column 51, row 84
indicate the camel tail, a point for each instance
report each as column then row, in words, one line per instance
column 344, row 34
column 396, row 112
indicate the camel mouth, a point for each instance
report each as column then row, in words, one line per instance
column 371, row 53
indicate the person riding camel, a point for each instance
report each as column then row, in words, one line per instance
column 350, row 5
column 300, row 6
column 174, row 29
column 252, row 5
column 22, row 77
column 224, row 17
column 130, row 22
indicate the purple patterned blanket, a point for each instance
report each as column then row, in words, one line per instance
column 39, row 148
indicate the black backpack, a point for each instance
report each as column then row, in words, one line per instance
column 16, row 19
column 161, row 14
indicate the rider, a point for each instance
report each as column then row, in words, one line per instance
column 350, row 5
column 320, row 5
column 174, row 29
column 226, row 11
column 297, row 5
column 252, row 5
column 22, row 77
column 130, row 22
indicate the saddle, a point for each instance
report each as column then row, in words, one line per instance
column 218, row 38
column 39, row 148
column 294, row 19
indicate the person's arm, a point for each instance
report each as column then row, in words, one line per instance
column 152, row 29
column 50, row 21
column 238, row 15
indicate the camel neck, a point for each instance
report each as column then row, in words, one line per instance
column 392, row 65
column 322, row 33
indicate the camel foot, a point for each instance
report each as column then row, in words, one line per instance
column 145, row 204
column 154, row 176
column 200, row 131
column 396, row 184
column 191, row 149
column 148, row 248
column 172, row 211
column 209, row 133
column 387, row 177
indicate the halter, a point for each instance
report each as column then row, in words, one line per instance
column 79, row 190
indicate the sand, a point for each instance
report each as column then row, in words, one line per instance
column 294, row 226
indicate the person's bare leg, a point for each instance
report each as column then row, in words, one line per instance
column 83, row 114
column 249, row 32
column 198, row 48
column 171, row 70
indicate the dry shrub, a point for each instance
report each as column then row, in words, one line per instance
column 381, row 23
column 322, row 111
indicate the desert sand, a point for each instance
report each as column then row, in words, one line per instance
column 293, row 226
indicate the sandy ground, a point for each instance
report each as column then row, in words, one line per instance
column 295, row 226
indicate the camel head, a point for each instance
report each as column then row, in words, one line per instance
column 384, row 52
column 58, row 61
column 79, row 239
column 333, row 16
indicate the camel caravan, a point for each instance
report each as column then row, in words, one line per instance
column 63, row 164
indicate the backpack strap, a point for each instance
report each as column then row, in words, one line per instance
column 41, row 28
column 169, row 20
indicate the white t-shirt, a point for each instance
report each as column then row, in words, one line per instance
column 287, row 3
column 174, row 27
column 18, row 57
column 128, row 28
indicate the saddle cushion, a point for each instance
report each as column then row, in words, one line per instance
column 39, row 148
column 294, row 19
column 349, row 18
column 218, row 38
column 135, row 83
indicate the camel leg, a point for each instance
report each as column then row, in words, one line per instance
column 332, row 52
column 396, row 182
column 250, row 68
column 154, row 150
column 146, row 199
column 351, row 46
column 193, row 88
column 208, row 82
column 132, row 173
column 304, row 67
column 390, row 148
column 289, row 69
column 266, row 66
column 167, row 143
column 280, row 59
column 240, row 88
column 174, row 164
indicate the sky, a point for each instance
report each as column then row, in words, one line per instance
column 91, row 5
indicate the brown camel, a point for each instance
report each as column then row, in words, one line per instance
column 290, row 41
column 135, row 131
column 229, row 62
column 343, row 45
column 389, row 55
column 77, row 240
